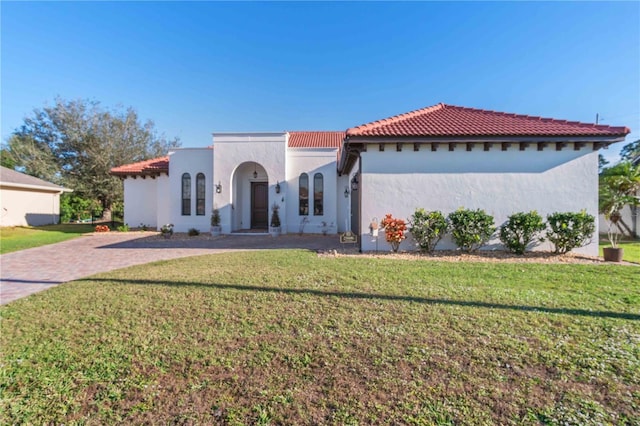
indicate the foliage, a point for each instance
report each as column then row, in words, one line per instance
column 236, row 338
column 167, row 229
column 193, row 232
column 102, row 228
column 76, row 143
column 143, row 227
column 275, row 216
column 569, row 230
column 471, row 229
column 123, row 228
column 5, row 158
column 631, row 152
column 394, row 231
column 619, row 186
column 428, row 228
column 602, row 163
column 20, row 238
column 73, row 207
column 215, row 217
column 520, row 230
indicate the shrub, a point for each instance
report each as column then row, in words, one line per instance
column 520, row 230
column 193, row 232
column 102, row 228
column 275, row 216
column 144, row 227
column 471, row 229
column 215, row 217
column 123, row 228
column 569, row 230
column 394, row 231
column 428, row 228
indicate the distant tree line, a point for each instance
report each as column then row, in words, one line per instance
column 75, row 143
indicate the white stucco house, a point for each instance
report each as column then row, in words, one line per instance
column 440, row 158
column 28, row 201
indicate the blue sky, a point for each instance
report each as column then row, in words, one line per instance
column 199, row 67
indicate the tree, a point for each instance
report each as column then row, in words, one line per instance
column 631, row 152
column 76, row 143
column 619, row 186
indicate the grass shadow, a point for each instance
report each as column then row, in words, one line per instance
column 386, row 297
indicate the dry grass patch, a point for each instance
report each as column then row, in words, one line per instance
column 287, row 337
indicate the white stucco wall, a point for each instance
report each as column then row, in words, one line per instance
column 28, row 207
column 500, row 182
column 192, row 161
column 232, row 151
column 140, row 201
column 312, row 161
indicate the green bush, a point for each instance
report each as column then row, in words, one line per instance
column 569, row 230
column 193, row 232
column 520, row 230
column 471, row 229
column 428, row 228
column 123, row 228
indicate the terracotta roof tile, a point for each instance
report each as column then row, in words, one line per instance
column 450, row 120
column 155, row 166
column 317, row 139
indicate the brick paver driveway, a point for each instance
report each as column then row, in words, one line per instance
column 29, row 271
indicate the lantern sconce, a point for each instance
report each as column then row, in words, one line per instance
column 277, row 187
column 218, row 188
column 346, row 192
column 354, row 183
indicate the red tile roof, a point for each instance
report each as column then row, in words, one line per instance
column 153, row 167
column 450, row 120
column 320, row 139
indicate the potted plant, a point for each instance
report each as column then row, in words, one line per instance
column 618, row 186
column 167, row 230
column 216, row 229
column 274, row 229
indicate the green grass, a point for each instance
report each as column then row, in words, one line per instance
column 22, row 237
column 631, row 250
column 286, row 337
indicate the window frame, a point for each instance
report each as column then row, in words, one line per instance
column 318, row 181
column 186, row 194
column 201, row 189
column 303, row 204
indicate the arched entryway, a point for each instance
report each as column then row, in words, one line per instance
column 250, row 198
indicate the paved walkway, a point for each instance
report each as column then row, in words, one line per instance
column 29, row 271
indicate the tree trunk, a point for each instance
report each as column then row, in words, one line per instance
column 106, row 214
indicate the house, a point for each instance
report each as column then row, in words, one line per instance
column 440, row 158
column 28, row 201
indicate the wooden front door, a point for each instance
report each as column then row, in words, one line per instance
column 259, row 205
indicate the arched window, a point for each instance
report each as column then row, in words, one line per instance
column 303, row 193
column 186, row 194
column 318, row 195
column 200, row 194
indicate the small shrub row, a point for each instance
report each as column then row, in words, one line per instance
column 471, row 229
column 193, row 232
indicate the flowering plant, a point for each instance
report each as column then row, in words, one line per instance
column 394, row 230
column 167, row 229
column 102, row 228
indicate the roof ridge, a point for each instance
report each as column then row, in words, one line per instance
column 535, row 117
column 399, row 117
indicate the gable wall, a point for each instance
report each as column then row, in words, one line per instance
column 500, row 182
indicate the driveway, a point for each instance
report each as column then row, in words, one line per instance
column 29, row 271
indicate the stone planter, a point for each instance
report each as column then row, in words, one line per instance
column 613, row 254
column 216, row 231
column 274, row 231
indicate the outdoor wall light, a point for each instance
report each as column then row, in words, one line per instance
column 277, row 187
column 255, row 171
column 218, row 188
column 354, row 183
column 346, row 192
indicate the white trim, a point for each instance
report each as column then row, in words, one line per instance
column 58, row 190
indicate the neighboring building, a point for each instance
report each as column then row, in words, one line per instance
column 440, row 158
column 28, row 201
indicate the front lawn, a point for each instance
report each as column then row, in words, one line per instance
column 24, row 237
column 287, row 337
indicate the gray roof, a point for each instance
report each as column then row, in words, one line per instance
column 12, row 178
